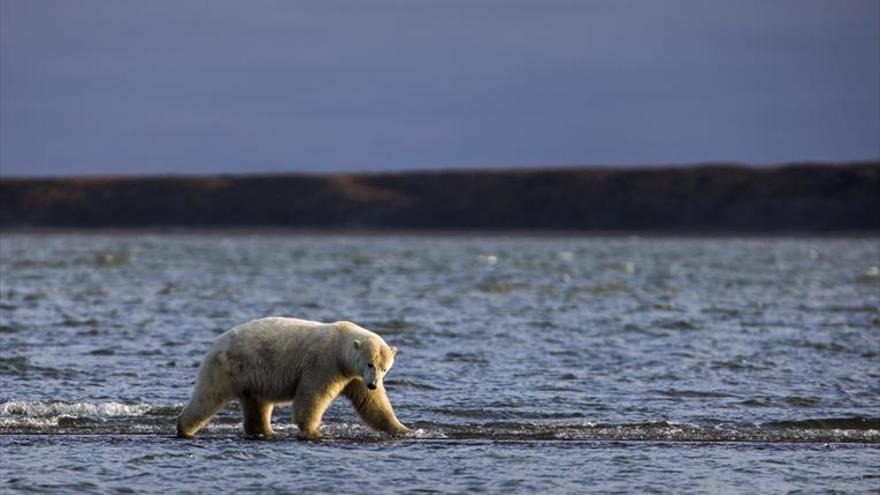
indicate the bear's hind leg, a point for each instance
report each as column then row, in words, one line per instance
column 257, row 417
column 197, row 413
column 309, row 406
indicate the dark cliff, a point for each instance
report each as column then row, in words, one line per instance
column 712, row 198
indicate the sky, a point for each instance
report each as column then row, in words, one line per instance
column 93, row 87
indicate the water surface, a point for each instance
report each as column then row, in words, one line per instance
column 527, row 363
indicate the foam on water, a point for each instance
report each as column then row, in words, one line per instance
column 96, row 410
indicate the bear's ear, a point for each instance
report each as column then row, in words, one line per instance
column 393, row 350
column 357, row 344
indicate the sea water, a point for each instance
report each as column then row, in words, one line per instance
column 527, row 362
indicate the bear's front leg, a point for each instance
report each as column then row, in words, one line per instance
column 309, row 406
column 374, row 407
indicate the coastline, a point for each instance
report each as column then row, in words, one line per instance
column 794, row 199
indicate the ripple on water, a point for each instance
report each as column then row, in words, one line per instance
column 680, row 325
column 410, row 384
column 22, row 367
column 693, row 394
column 743, row 364
column 465, row 357
column 7, row 328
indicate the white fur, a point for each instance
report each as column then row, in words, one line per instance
column 276, row 360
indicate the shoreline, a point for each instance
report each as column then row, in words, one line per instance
column 282, row 231
column 709, row 200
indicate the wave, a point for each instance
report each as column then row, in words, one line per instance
column 85, row 409
column 854, row 423
column 115, row 418
column 692, row 394
column 22, row 366
column 673, row 432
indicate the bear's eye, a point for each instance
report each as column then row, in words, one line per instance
column 370, row 365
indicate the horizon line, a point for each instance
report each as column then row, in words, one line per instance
column 445, row 170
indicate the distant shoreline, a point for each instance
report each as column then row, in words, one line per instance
column 292, row 232
column 476, row 170
column 692, row 200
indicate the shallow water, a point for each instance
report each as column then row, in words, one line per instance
column 527, row 363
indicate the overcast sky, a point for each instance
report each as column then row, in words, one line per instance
column 130, row 87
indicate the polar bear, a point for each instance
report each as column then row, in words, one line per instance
column 275, row 360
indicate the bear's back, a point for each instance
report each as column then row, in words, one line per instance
column 272, row 331
column 280, row 335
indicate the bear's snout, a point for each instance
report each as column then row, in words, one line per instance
column 371, row 386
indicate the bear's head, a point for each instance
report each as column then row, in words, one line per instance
column 374, row 359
